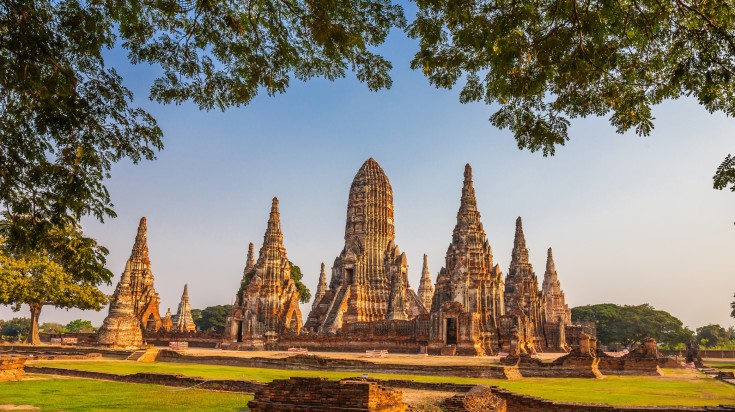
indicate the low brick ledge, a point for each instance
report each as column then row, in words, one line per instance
column 164, row 379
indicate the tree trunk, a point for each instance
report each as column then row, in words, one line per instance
column 33, row 337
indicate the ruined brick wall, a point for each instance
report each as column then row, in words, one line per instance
column 11, row 367
column 478, row 399
column 319, row 394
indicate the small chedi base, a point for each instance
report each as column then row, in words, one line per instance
column 581, row 362
column 478, row 399
column 12, row 367
column 644, row 360
column 319, row 394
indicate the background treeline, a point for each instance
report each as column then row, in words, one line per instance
column 628, row 325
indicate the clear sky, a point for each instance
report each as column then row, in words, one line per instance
column 631, row 220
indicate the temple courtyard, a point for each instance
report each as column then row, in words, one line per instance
column 49, row 391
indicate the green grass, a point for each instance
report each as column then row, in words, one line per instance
column 64, row 394
column 723, row 364
column 678, row 387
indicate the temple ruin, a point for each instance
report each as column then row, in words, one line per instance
column 267, row 304
column 182, row 321
column 121, row 328
column 138, row 267
column 472, row 309
column 370, row 276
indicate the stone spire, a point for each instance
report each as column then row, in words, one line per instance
column 520, row 253
column 522, row 297
column 138, row 267
column 557, row 310
column 426, row 289
column 121, row 328
column 321, row 289
column 268, row 303
column 250, row 262
column 469, row 281
column 272, row 258
column 183, row 321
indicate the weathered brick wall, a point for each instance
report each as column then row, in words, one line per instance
column 11, row 367
column 49, row 350
column 319, row 394
column 478, row 399
column 156, row 379
column 312, row 362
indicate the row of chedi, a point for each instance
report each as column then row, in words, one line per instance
column 368, row 303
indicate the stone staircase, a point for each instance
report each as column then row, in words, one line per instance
column 339, row 298
column 144, row 355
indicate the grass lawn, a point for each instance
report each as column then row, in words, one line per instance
column 71, row 394
column 678, row 387
column 721, row 364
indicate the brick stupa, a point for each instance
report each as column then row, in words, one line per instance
column 121, row 328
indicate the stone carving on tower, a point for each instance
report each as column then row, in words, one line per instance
column 138, row 267
column 523, row 300
column 182, row 321
column 557, row 310
column 426, row 289
column 121, row 328
column 321, row 289
column 269, row 302
column 468, row 297
column 370, row 276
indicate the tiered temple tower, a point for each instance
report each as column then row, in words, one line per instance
column 138, row 267
column 321, row 289
column 557, row 310
column 269, row 304
column 426, row 289
column 370, row 276
column 523, row 300
column 468, row 299
column 121, row 328
column 183, row 321
column 246, row 274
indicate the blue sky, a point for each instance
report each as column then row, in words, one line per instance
column 631, row 219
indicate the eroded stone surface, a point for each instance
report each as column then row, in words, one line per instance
column 145, row 298
column 523, row 299
column 468, row 299
column 11, row 367
column 121, row 328
column 426, row 288
column 370, row 276
column 269, row 302
column 320, row 394
column 182, row 321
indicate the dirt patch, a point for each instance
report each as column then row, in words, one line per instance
column 9, row 407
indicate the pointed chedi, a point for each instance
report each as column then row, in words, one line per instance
column 321, row 289
column 523, row 300
column 557, row 310
column 468, row 297
column 268, row 304
column 121, row 328
column 146, row 301
column 426, row 288
column 182, row 321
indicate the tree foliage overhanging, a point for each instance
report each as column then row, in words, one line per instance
column 67, row 117
column 629, row 325
column 546, row 62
